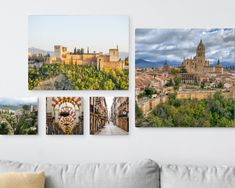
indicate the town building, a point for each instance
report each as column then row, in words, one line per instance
column 219, row 68
column 152, row 78
column 165, row 67
column 79, row 57
column 98, row 114
column 120, row 112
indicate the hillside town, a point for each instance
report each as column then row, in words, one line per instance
column 19, row 119
column 194, row 79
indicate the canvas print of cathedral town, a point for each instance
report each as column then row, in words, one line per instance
column 185, row 77
column 78, row 53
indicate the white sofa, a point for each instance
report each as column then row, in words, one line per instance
column 142, row 174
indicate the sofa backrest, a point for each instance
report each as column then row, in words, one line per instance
column 176, row 176
column 142, row 174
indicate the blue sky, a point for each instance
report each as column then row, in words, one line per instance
column 99, row 33
column 175, row 44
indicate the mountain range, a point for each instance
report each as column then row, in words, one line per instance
column 141, row 63
column 39, row 51
column 33, row 50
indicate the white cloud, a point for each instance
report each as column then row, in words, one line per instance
column 175, row 44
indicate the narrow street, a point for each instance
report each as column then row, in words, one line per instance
column 109, row 116
column 110, row 129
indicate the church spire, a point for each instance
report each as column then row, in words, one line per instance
column 201, row 50
column 218, row 63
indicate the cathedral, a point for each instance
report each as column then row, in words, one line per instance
column 199, row 65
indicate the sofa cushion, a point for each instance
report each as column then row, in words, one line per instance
column 142, row 174
column 22, row 180
column 173, row 176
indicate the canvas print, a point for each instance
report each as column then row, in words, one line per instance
column 78, row 53
column 109, row 115
column 185, row 77
column 18, row 116
column 64, row 115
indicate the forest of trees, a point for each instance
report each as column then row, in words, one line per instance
column 80, row 77
column 212, row 112
column 25, row 123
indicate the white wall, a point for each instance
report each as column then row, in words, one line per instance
column 197, row 146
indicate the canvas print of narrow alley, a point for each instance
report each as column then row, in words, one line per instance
column 109, row 115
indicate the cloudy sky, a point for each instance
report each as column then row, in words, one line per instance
column 175, row 44
column 100, row 33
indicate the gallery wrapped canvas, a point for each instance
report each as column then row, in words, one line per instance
column 18, row 116
column 78, row 53
column 109, row 115
column 64, row 116
column 185, row 77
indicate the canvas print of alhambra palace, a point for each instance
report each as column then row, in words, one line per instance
column 78, row 53
column 185, row 77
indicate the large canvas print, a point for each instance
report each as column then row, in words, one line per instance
column 185, row 77
column 78, row 53
column 64, row 115
column 18, row 116
column 109, row 115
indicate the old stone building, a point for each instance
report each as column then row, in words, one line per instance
column 64, row 115
column 165, row 67
column 120, row 112
column 147, row 105
column 199, row 64
column 98, row 114
column 100, row 60
column 198, row 67
column 218, row 68
column 190, row 78
column 204, row 94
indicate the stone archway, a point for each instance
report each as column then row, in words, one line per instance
column 67, row 112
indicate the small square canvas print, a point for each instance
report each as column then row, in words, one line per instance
column 185, row 77
column 64, row 116
column 18, row 116
column 78, row 53
column 109, row 115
